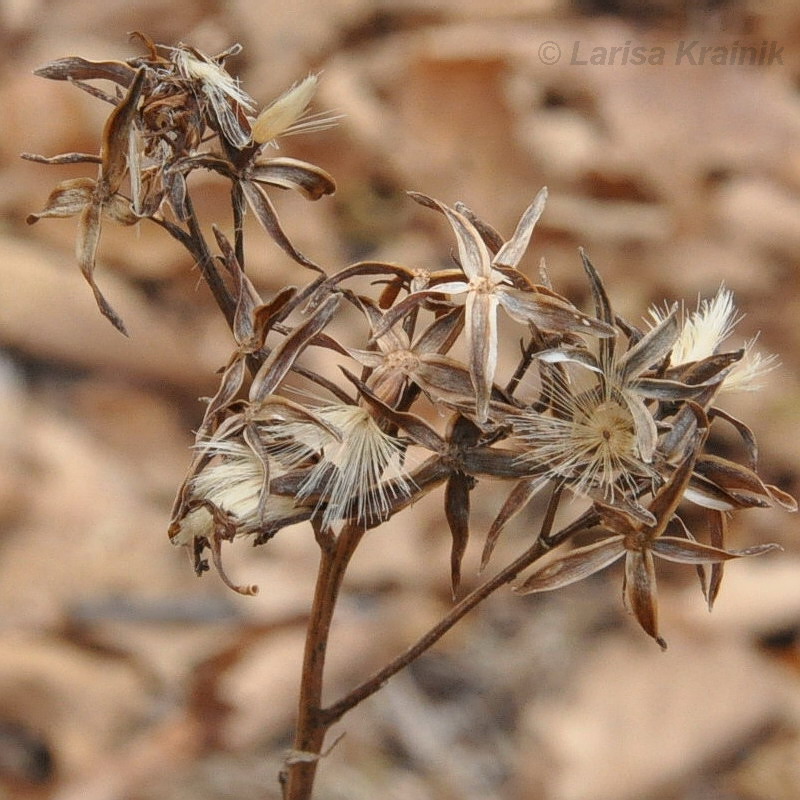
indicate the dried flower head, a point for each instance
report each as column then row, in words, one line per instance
column 491, row 280
column 94, row 199
column 622, row 413
column 228, row 102
column 703, row 333
column 356, row 476
column 588, row 440
column 232, row 483
column 178, row 110
column 288, row 114
column 601, row 440
column 638, row 542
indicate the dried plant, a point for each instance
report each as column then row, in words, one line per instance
column 619, row 415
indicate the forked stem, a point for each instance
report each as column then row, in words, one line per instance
column 543, row 544
column 314, row 720
column 336, row 711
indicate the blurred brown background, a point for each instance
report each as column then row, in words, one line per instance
column 123, row 677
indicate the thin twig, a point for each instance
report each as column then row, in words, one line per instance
column 526, row 355
column 237, row 206
column 205, row 261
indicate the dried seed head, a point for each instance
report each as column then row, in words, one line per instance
column 288, row 114
column 358, row 476
column 233, row 483
column 228, row 101
column 747, row 375
column 215, row 78
column 591, row 442
column 704, row 332
column 705, row 329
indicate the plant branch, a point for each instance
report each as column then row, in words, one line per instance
column 195, row 243
column 526, row 357
column 237, row 207
column 205, row 261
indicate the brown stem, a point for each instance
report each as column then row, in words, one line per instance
column 312, row 725
column 542, row 545
column 195, row 243
column 205, row 261
column 525, row 362
column 237, row 206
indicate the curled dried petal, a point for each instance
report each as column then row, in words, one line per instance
column 575, row 566
column 268, row 218
column 289, row 173
column 640, row 593
column 69, row 198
